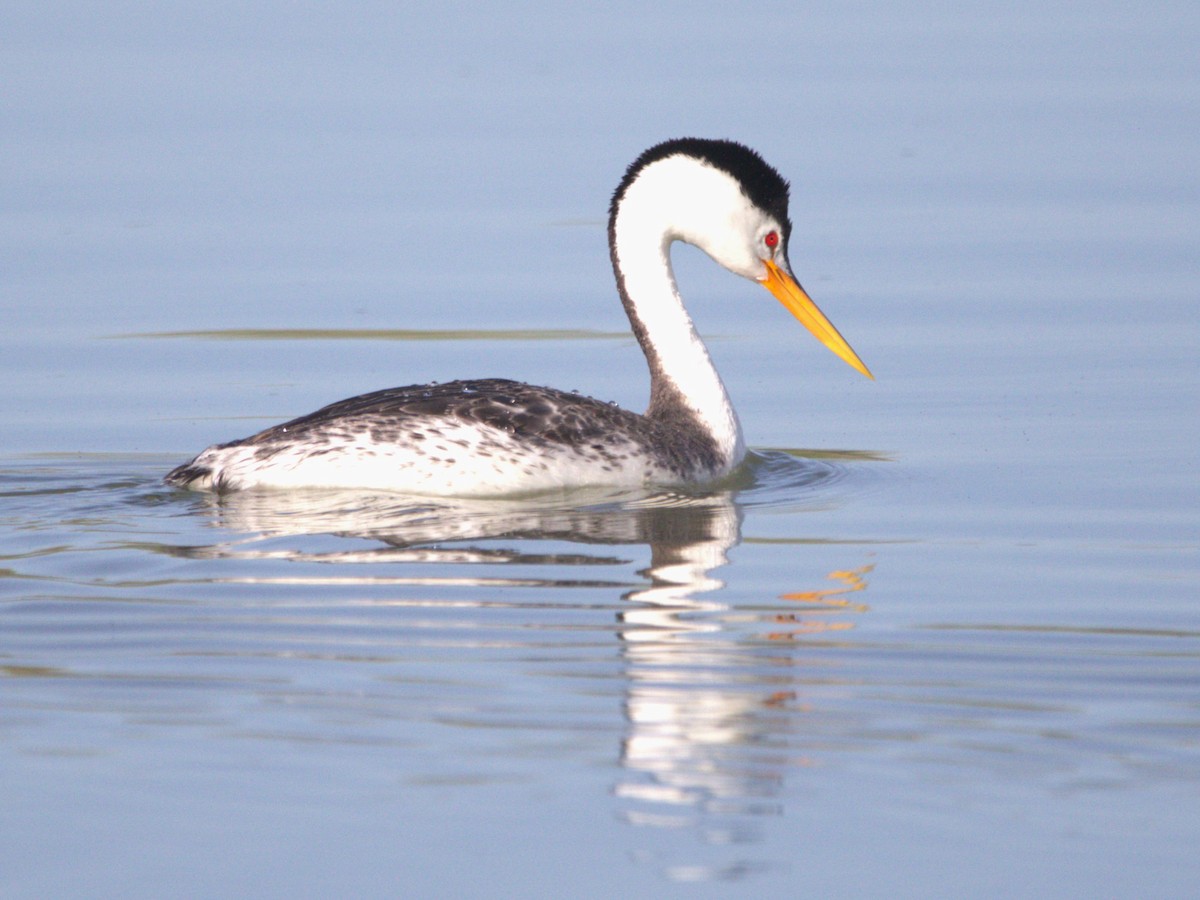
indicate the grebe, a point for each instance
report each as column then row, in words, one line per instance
column 495, row 436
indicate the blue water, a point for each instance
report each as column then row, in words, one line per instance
column 941, row 638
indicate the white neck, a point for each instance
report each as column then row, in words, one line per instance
column 681, row 371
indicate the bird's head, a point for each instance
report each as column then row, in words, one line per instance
column 725, row 199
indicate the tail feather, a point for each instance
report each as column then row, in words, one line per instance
column 188, row 475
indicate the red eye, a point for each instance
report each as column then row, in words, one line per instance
column 772, row 239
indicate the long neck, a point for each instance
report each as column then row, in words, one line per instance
column 685, row 388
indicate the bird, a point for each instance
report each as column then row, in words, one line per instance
column 496, row 436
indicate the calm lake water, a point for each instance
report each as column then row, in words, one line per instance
column 941, row 638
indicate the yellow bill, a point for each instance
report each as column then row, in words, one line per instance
column 788, row 292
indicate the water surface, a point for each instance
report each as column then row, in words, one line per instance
column 940, row 638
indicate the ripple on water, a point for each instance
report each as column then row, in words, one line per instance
column 493, row 641
column 779, row 477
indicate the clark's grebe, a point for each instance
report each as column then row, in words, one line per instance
column 495, row 436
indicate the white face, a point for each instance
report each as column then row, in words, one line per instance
column 681, row 199
column 723, row 223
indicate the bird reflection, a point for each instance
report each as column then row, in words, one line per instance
column 710, row 675
column 412, row 529
column 707, row 741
